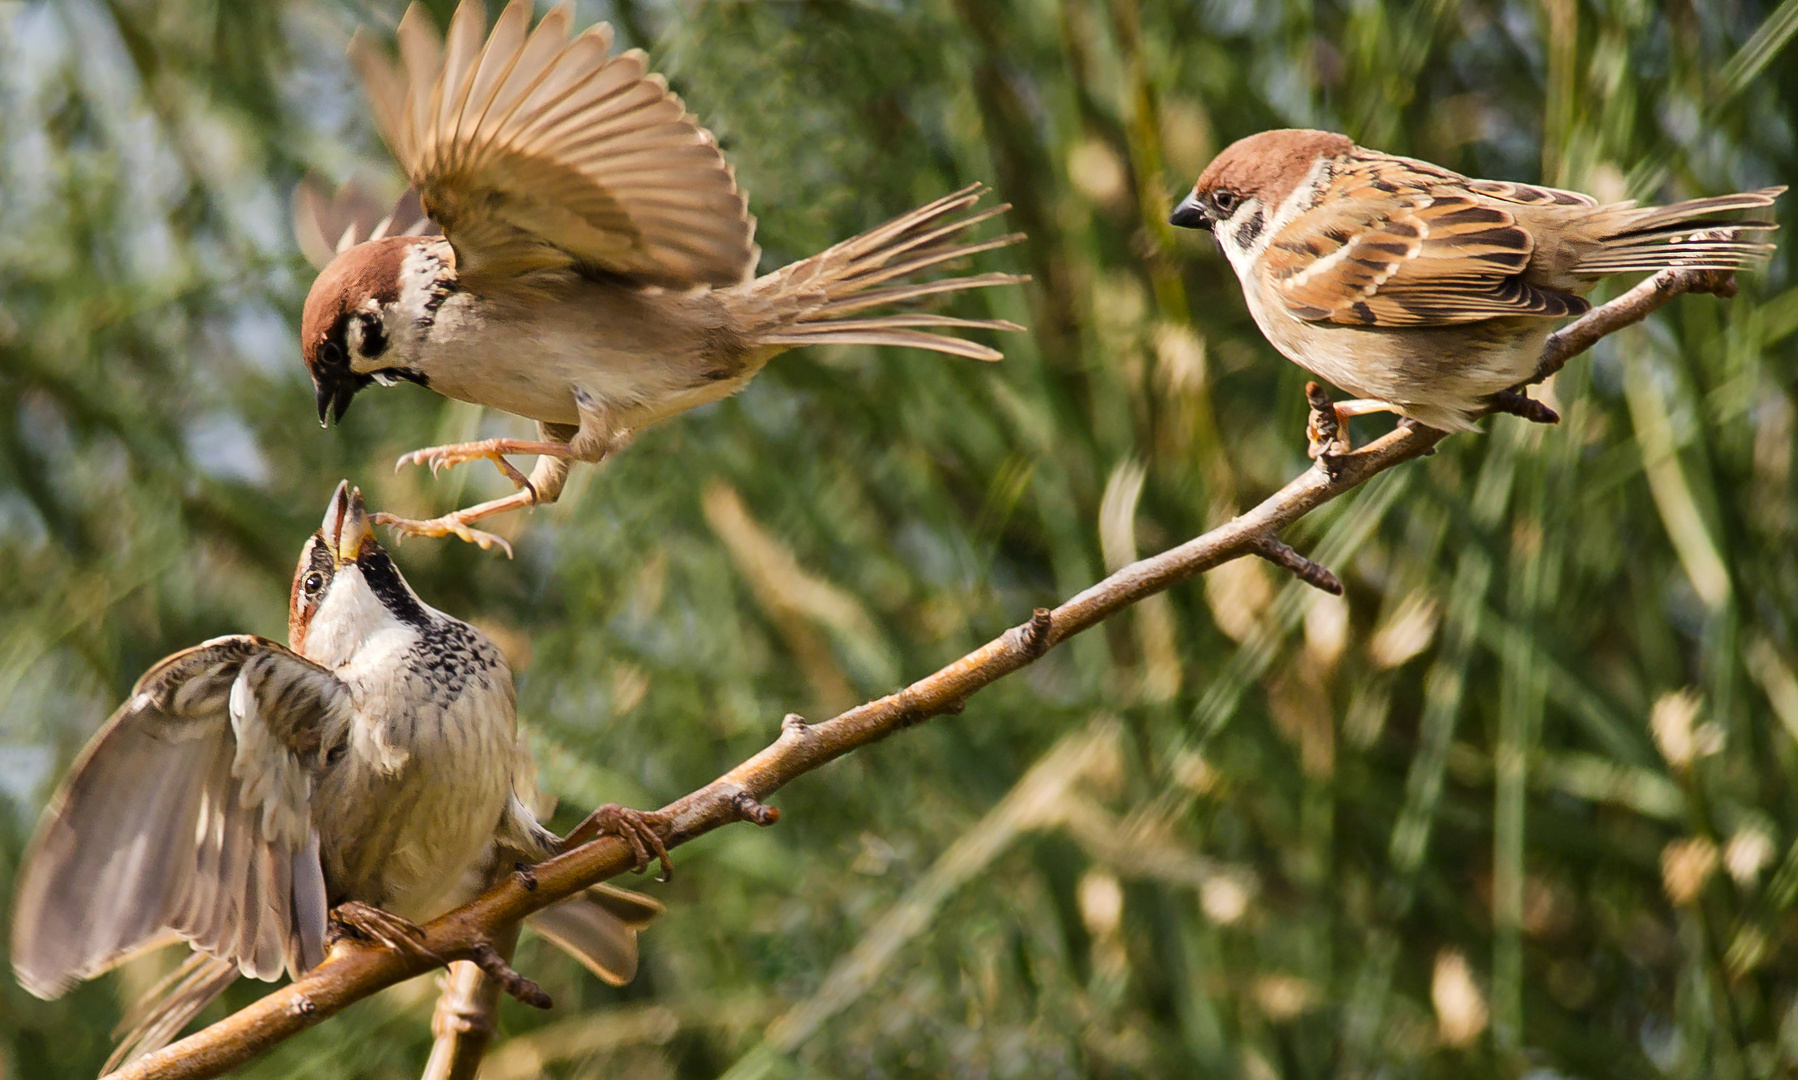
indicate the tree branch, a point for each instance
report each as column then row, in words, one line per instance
column 463, row 1023
column 355, row 971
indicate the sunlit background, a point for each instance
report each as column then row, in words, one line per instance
column 1524, row 803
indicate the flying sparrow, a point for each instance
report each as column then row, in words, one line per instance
column 596, row 271
column 370, row 775
column 1424, row 292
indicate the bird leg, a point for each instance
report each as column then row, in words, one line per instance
column 1326, row 429
column 494, row 450
column 543, row 486
column 1363, row 406
column 641, row 829
column 591, row 441
column 456, row 524
column 365, row 922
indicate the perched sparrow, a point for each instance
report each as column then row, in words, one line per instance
column 1420, row 290
column 596, row 268
column 245, row 790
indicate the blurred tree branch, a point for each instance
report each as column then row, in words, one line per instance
column 356, row 971
column 466, row 1016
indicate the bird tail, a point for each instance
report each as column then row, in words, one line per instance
column 1694, row 235
column 598, row 927
column 157, row 1017
column 828, row 297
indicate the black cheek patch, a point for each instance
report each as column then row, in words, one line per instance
column 374, row 336
column 1250, row 229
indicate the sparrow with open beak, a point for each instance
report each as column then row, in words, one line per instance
column 596, row 268
column 1424, row 292
column 246, row 795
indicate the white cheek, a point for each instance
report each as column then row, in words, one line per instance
column 1244, row 257
column 346, row 620
column 1231, row 234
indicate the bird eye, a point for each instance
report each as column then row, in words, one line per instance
column 330, row 354
column 1225, row 200
column 312, row 583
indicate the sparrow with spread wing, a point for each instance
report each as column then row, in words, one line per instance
column 1422, row 291
column 596, row 271
column 247, row 797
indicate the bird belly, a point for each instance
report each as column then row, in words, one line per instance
column 1436, row 375
column 640, row 356
column 401, row 829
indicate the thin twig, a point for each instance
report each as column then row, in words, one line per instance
column 1314, row 574
column 463, row 934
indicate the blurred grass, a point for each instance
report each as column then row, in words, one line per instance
column 1522, row 803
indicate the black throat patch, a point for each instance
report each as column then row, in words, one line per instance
column 449, row 653
column 385, row 582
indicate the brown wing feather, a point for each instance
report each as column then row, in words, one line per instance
column 1387, row 247
column 326, row 225
column 536, row 152
column 188, row 812
column 1530, row 194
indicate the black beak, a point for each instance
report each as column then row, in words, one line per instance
column 1190, row 214
column 334, row 395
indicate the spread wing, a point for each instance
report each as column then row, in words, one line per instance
column 326, row 225
column 188, row 813
column 536, row 152
column 1388, row 247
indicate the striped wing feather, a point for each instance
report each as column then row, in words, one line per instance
column 533, row 152
column 1382, row 251
column 325, row 225
column 189, row 814
column 1531, row 194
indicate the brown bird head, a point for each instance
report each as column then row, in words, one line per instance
column 346, row 586
column 1262, row 169
column 343, row 333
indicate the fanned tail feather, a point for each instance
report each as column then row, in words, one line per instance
column 811, row 302
column 1689, row 235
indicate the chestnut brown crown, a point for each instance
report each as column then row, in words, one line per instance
column 342, row 292
column 1267, row 167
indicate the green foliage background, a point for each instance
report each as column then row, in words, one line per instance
column 1247, row 830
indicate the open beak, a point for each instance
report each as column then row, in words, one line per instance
column 1190, row 214
column 334, row 396
column 347, row 528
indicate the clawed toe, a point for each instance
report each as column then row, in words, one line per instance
column 1326, row 434
column 638, row 828
column 438, row 458
column 358, row 921
column 436, row 528
column 365, row 922
column 494, row 450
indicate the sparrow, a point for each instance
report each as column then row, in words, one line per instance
column 1424, row 292
column 596, row 268
column 255, row 800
